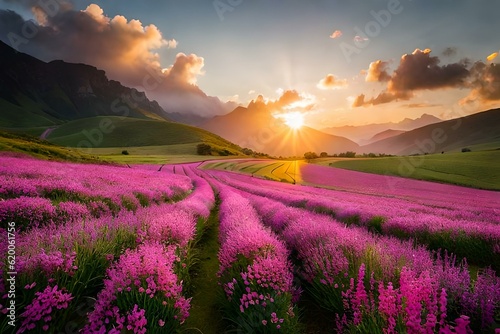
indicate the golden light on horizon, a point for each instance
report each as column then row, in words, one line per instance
column 294, row 119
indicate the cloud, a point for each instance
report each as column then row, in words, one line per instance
column 336, row 34
column 360, row 39
column 126, row 49
column 377, row 72
column 383, row 97
column 492, row 56
column 416, row 71
column 185, row 69
column 359, row 101
column 484, row 83
column 420, row 70
column 289, row 100
column 420, row 105
column 450, row 52
column 330, row 82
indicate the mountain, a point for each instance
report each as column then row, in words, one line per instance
column 382, row 135
column 76, row 105
column 35, row 94
column 410, row 124
column 254, row 127
column 477, row 129
column 362, row 134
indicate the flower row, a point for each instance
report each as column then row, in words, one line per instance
column 141, row 258
column 331, row 257
column 254, row 270
column 473, row 233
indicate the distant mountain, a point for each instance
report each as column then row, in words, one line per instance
column 35, row 94
column 363, row 133
column 480, row 128
column 382, row 135
column 410, row 124
column 254, row 127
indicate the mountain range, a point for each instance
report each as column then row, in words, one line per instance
column 34, row 93
column 83, row 108
column 473, row 130
column 255, row 127
column 73, row 100
column 363, row 134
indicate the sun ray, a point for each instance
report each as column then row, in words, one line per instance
column 294, row 120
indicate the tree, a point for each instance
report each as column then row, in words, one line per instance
column 204, row 149
column 310, row 155
column 348, row 154
column 247, row 151
column 323, row 155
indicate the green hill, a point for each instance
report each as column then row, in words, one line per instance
column 21, row 143
column 471, row 169
column 100, row 132
column 76, row 105
column 479, row 131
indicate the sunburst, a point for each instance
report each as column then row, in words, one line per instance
column 294, row 119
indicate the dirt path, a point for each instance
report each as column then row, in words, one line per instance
column 204, row 315
column 47, row 132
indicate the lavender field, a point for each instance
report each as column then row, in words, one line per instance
column 110, row 249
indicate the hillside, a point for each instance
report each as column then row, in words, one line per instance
column 254, row 127
column 26, row 144
column 477, row 129
column 362, row 134
column 130, row 132
column 75, row 105
column 382, row 135
column 36, row 94
column 471, row 169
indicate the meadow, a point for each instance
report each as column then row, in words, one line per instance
column 471, row 169
column 187, row 249
column 276, row 170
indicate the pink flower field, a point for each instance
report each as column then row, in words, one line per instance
column 110, row 249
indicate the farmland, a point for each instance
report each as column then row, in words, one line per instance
column 191, row 248
column 472, row 169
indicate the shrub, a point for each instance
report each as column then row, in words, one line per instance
column 125, row 152
column 203, row 149
column 310, row 155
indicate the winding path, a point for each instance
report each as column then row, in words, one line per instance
column 47, row 132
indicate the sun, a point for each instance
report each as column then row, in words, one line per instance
column 294, row 120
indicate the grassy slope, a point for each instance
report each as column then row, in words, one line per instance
column 277, row 170
column 472, row 169
column 40, row 148
column 131, row 132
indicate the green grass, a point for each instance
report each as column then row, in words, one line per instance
column 158, row 159
column 472, row 169
column 277, row 170
column 161, row 154
column 28, row 114
column 205, row 316
column 106, row 132
column 41, row 149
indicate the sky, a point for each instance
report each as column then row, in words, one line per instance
column 341, row 62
